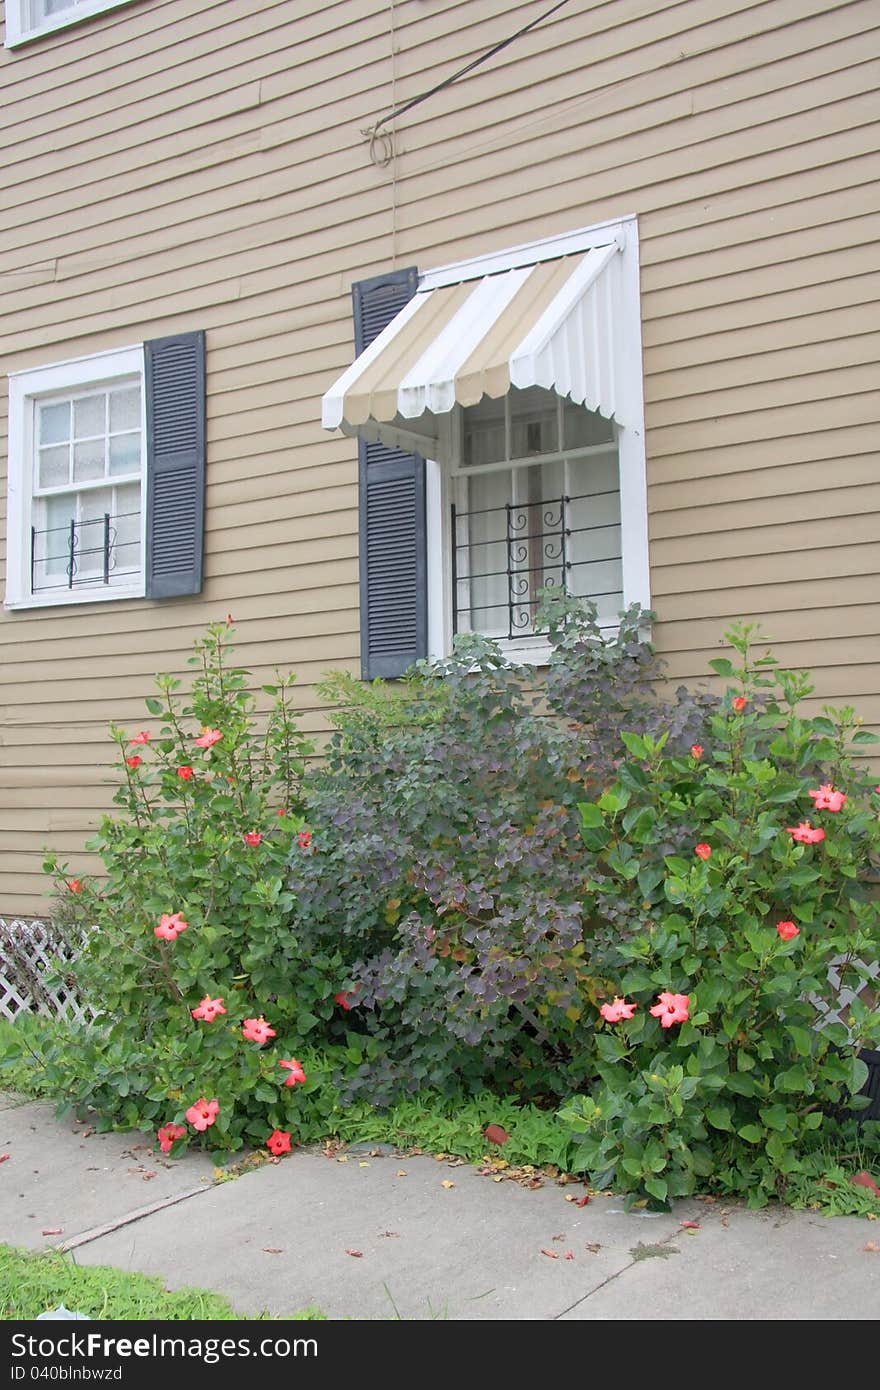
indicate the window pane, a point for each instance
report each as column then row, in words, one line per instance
column 54, row 467
column 55, row 548
column 127, row 528
column 595, row 543
column 90, row 552
column 54, row 423
column 583, row 427
column 482, row 556
column 484, row 433
column 125, row 409
column 125, row 453
column 88, row 461
column 533, row 422
column 89, row 416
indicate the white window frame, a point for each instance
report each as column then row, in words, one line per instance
column 26, row 388
column 440, row 477
column 20, row 29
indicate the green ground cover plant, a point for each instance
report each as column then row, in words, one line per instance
column 32, row 1282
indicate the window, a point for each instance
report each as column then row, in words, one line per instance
column 498, row 405
column 106, row 476
column 30, row 19
column 536, row 505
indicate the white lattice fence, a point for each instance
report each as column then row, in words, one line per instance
column 32, row 977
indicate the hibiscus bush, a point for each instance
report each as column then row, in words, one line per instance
column 201, row 994
column 723, row 886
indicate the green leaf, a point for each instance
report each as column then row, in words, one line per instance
column 858, row 1075
column 591, row 815
column 657, row 1187
column 863, row 736
column 722, row 666
column 636, row 744
column 305, row 1022
column 719, row 1117
column 751, row 1134
column 649, row 877
column 775, row 1117
column 153, row 705
column 776, row 1147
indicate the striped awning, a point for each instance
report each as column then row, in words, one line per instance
column 552, row 323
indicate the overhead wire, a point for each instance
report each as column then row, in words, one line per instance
column 381, row 149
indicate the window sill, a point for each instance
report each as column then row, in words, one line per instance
column 16, row 36
column 69, row 597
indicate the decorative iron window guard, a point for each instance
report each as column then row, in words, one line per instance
column 79, row 566
column 538, row 541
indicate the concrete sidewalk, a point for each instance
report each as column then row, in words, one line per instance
column 369, row 1235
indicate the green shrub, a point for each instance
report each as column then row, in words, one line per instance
column 451, row 870
column 730, row 1084
column 192, row 909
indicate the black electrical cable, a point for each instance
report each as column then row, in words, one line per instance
column 448, row 81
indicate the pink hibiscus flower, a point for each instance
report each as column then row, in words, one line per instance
column 617, row 1010
column 702, row 851
column 208, row 738
column 171, row 924
column 142, row 737
column 827, row 799
column 168, row 1134
column 203, row 1113
column 805, row 834
column 296, row 1071
column 208, row 1010
column 278, row 1142
column 671, row 1008
column 257, row 1030
column 252, row 838
column 787, row 930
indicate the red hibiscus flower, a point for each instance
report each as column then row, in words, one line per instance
column 671, row 1008
column 208, row 1010
column 257, row 1030
column 827, row 799
column 344, row 999
column 75, row 885
column 296, row 1071
column 203, row 1113
column 739, row 704
column 805, row 834
column 619, row 1009
column 281, row 811
column 133, row 761
column 208, row 738
column 252, row 838
column 278, row 1142
column 702, row 851
column 185, row 773
column 167, row 1135
column 787, row 930
column 697, row 751
column 171, row 924
column 142, row 737
column 304, row 838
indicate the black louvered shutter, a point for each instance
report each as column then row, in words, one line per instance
column 393, row 551
column 175, row 387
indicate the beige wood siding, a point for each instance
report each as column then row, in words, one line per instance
column 176, row 165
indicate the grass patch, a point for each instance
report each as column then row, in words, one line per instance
column 33, row 1282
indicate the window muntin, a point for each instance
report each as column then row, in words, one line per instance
column 536, row 504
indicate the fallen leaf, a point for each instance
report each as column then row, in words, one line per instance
column 533, row 1183
column 342, row 1158
column 272, row 1250
column 581, row 1201
column 148, row 1175
column 689, row 1225
column 499, row 1177
column 496, row 1134
column 363, row 1165
column 569, row 1255
column 559, row 1237
column 388, row 1235
column 593, row 1246
column 357, row 1254
column 864, row 1179
column 447, row 1183
column 401, row 1172
column 441, row 1157
column 54, row 1231
column 4, row 1157
column 551, row 1254
column 871, row 1247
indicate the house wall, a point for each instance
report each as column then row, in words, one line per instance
column 175, row 165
